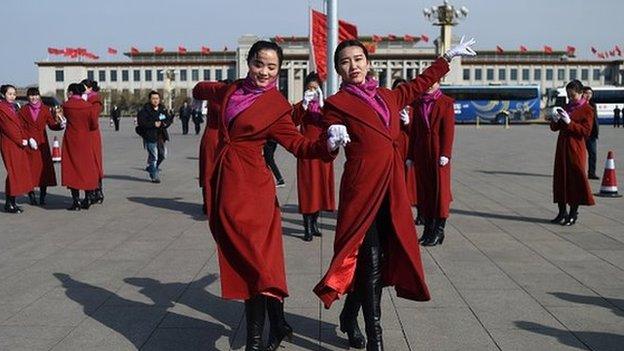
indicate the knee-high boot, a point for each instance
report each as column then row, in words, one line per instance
column 315, row 228
column 307, row 227
column 279, row 328
column 255, row 308
column 75, row 193
column 32, row 198
column 43, row 191
column 10, row 206
column 348, row 320
column 561, row 216
column 371, row 302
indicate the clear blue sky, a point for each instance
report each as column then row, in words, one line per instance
column 30, row 26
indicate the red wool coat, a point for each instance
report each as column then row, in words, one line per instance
column 14, row 155
column 79, row 166
column 410, row 172
column 375, row 170
column 41, row 165
column 570, row 184
column 315, row 178
column 245, row 218
column 207, row 151
column 96, row 102
column 428, row 144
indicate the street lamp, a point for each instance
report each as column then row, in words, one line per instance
column 446, row 16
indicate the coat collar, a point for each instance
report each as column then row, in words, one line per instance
column 356, row 108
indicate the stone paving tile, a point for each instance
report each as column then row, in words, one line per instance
column 30, row 338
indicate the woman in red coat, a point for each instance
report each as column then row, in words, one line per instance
column 570, row 184
column 13, row 144
column 374, row 215
column 79, row 167
column 93, row 97
column 315, row 178
column 433, row 131
column 35, row 118
column 245, row 219
column 207, row 150
column 407, row 116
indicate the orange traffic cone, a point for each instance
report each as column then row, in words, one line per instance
column 56, row 150
column 608, row 188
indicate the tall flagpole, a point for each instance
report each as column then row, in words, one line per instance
column 332, row 42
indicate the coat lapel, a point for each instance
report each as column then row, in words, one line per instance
column 356, row 108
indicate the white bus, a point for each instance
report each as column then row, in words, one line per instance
column 606, row 99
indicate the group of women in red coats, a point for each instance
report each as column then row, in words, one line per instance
column 26, row 151
column 376, row 244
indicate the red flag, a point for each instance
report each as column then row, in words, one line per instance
column 612, row 53
column 391, row 37
column 618, row 51
column 593, row 50
column 158, row 50
column 499, row 50
column 55, row 51
column 205, row 50
column 424, row 38
column 600, row 55
column 278, row 39
column 112, row 51
column 181, row 50
column 81, row 51
column 548, row 49
column 523, row 48
column 371, row 47
column 134, row 51
column 377, row 38
column 318, row 32
column 408, row 38
column 71, row 52
column 570, row 50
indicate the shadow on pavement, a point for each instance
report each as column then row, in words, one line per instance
column 127, row 177
column 610, row 303
column 53, row 201
column 499, row 216
column 607, row 341
column 191, row 209
column 516, row 173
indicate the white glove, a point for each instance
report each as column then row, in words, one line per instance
column 319, row 93
column 404, row 114
column 561, row 113
column 554, row 116
column 32, row 143
column 409, row 163
column 24, row 142
column 444, row 161
column 308, row 96
column 337, row 136
column 464, row 48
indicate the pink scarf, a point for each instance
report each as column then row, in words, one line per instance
column 368, row 91
column 426, row 105
column 76, row 97
column 34, row 110
column 314, row 110
column 244, row 96
column 573, row 105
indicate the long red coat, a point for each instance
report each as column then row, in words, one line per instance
column 14, row 155
column 245, row 218
column 428, row 144
column 79, row 166
column 375, row 170
column 96, row 102
column 207, row 151
column 315, row 178
column 570, row 184
column 41, row 165
column 410, row 172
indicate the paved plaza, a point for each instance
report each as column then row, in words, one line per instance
column 140, row 271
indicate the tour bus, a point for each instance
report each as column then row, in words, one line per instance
column 494, row 103
column 606, row 99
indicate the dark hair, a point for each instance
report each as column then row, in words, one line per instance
column 588, row 88
column 265, row 45
column 153, row 92
column 76, row 88
column 4, row 88
column 345, row 44
column 575, row 85
column 312, row 77
column 32, row 92
column 92, row 84
column 398, row 82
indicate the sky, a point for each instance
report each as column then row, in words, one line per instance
column 31, row 26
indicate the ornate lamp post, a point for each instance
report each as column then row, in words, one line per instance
column 446, row 16
column 169, row 78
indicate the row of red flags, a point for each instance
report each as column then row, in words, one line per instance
column 82, row 52
column 570, row 50
column 616, row 51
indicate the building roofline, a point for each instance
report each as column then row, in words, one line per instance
column 539, row 62
column 135, row 63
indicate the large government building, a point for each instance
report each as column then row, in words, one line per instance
column 175, row 74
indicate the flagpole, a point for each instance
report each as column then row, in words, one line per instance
column 332, row 43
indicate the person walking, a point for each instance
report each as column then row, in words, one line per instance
column 198, row 119
column 153, row 119
column 185, row 116
column 115, row 117
column 617, row 117
column 591, row 143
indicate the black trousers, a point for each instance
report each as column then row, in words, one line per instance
column 185, row 124
column 590, row 143
column 116, row 122
column 269, row 152
column 616, row 122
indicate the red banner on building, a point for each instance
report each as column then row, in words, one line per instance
column 523, row 48
column 134, row 51
column 499, row 50
column 205, row 50
column 548, row 49
column 112, row 51
column 318, row 39
column 181, row 50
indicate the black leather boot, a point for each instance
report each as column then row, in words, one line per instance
column 438, row 233
column 561, row 216
column 572, row 217
column 10, row 206
column 43, row 191
column 279, row 328
column 349, row 323
column 428, row 231
column 307, row 230
column 32, row 198
column 88, row 200
column 76, row 200
column 254, row 314
column 315, row 227
column 371, row 302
